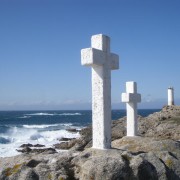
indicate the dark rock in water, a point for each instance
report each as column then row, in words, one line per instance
column 72, row 130
column 31, row 145
column 37, row 151
column 65, row 139
column 24, row 150
column 38, row 145
column 44, row 150
column 26, row 145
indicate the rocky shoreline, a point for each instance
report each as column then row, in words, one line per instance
column 154, row 154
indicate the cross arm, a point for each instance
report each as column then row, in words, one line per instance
column 91, row 56
column 114, row 58
column 131, row 97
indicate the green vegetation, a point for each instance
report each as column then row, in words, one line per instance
column 9, row 171
column 169, row 163
column 49, row 176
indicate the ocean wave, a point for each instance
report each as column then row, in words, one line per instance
column 67, row 124
column 4, row 140
column 18, row 136
column 24, row 117
column 36, row 136
column 35, row 126
column 52, row 114
column 70, row 114
column 38, row 126
column 40, row 114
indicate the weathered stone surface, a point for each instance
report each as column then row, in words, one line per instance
column 118, row 128
column 66, row 145
column 97, row 164
column 146, row 144
column 164, row 124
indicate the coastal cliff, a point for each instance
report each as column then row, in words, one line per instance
column 154, row 154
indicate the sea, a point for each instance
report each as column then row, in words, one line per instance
column 45, row 127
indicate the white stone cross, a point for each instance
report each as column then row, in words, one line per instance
column 102, row 62
column 131, row 98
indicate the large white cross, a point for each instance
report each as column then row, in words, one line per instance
column 131, row 98
column 102, row 62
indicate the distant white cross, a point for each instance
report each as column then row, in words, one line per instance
column 102, row 62
column 131, row 98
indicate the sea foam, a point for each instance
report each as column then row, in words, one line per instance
column 52, row 114
column 16, row 136
column 42, row 126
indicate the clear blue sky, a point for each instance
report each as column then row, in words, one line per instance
column 40, row 43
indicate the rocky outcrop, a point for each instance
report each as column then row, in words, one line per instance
column 154, row 154
column 37, row 166
column 118, row 164
column 130, row 160
column 162, row 125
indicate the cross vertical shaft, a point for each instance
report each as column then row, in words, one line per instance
column 101, row 98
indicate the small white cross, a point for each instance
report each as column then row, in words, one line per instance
column 131, row 98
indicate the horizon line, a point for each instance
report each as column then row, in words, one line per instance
column 77, row 109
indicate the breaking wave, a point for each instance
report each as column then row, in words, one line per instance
column 51, row 114
column 42, row 126
column 16, row 136
column 40, row 114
